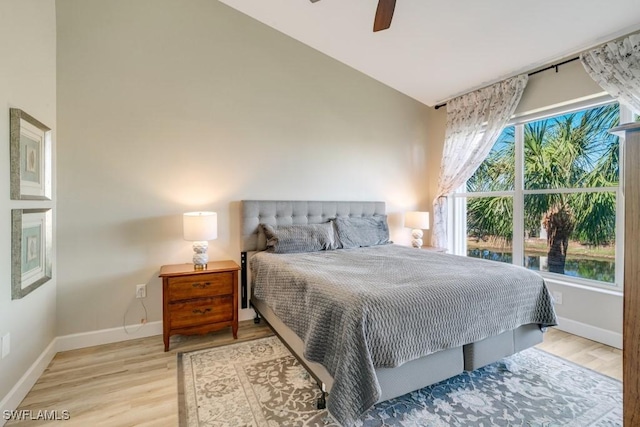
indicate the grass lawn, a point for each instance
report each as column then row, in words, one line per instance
column 539, row 246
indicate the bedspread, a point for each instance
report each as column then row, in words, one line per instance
column 364, row 308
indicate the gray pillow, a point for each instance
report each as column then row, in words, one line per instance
column 286, row 239
column 359, row 232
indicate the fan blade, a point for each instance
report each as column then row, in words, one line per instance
column 384, row 14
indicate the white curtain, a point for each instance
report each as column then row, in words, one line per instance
column 474, row 122
column 615, row 66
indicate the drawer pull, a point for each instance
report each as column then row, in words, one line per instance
column 200, row 311
column 201, row 285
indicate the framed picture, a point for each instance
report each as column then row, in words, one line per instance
column 31, row 243
column 30, row 153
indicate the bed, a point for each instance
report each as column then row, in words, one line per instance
column 372, row 323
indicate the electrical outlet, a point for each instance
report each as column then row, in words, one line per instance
column 6, row 345
column 141, row 291
column 557, row 297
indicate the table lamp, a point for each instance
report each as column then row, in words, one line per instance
column 418, row 221
column 200, row 227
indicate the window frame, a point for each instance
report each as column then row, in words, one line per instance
column 457, row 219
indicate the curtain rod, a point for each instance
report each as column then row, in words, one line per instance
column 550, row 67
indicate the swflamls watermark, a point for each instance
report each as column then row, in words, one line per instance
column 42, row 415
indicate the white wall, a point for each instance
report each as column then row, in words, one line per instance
column 437, row 120
column 550, row 89
column 166, row 107
column 28, row 82
column 584, row 311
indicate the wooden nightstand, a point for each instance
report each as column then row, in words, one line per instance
column 199, row 301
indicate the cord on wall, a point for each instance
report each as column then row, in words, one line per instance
column 143, row 321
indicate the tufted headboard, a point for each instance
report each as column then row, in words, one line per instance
column 276, row 212
column 287, row 212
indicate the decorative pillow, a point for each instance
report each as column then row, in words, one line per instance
column 287, row 239
column 359, row 232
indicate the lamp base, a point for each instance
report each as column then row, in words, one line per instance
column 417, row 234
column 200, row 256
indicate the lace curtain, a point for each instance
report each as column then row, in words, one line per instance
column 615, row 66
column 474, row 122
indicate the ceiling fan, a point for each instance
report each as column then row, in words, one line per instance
column 384, row 14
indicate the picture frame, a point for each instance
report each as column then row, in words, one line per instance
column 31, row 245
column 30, row 157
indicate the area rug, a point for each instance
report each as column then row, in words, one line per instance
column 259, row 383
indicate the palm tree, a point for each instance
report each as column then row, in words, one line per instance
column 570, row 151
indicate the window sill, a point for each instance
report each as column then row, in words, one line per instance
column 592, row 288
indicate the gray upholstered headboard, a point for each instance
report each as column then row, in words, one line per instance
column 276, row 212
column 287, row 212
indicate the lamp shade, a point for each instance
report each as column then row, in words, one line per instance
column 417, row 220
column 200, row 226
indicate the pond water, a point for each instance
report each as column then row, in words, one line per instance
column 603, row 270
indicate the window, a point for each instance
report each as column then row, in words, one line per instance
column 547, row 198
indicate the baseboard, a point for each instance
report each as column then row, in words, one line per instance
column 19, row 391
column 246, row 314
column 107, row 336
column 594, row 333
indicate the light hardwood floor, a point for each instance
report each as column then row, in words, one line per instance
column 134, row 383
column 593, row 355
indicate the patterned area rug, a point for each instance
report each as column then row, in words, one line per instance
column 259, row 383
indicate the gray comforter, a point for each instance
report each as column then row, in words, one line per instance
column 358, row 309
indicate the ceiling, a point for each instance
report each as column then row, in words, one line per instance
column 436, row 50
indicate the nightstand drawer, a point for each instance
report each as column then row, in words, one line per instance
column 203, row 285
column 202, row 311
